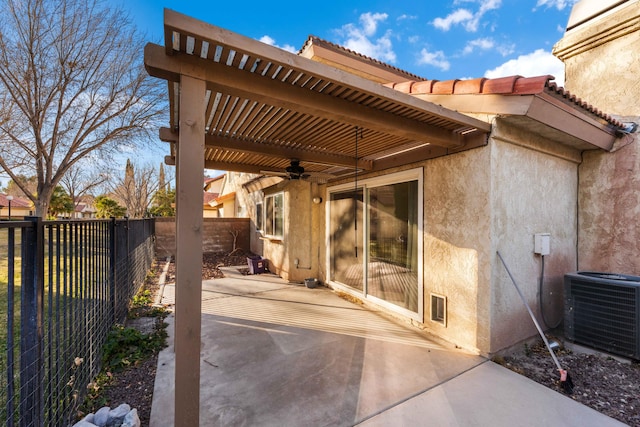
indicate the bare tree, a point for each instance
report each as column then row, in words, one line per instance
column 136, row 189
column 72, row 82
column 79, row 181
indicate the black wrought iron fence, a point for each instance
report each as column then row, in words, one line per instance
column 63, row 284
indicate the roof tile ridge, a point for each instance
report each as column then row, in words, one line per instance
column 554, row 89
column 311, row 38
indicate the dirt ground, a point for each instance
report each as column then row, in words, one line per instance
column 603, row 383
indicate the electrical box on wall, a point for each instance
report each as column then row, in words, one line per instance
column 542, row 243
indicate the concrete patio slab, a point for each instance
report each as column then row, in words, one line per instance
column 277, row 354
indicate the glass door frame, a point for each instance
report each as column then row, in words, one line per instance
column 416, row 174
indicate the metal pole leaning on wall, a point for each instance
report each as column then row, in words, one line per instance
column 31, row 326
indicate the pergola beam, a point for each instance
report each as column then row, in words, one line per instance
column 274, row 92
column 271, row 150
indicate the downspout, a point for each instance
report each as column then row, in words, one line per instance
column 578, row 209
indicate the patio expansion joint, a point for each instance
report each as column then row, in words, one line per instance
column 418, row 393
column 241, row 294
column 257, row 295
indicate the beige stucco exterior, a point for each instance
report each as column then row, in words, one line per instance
column 602, row 62
column 303, row 228
column 496, row 198
column 533, row 190
column 476, row 202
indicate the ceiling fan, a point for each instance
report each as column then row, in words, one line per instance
column 294, row 171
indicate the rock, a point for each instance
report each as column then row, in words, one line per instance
column 118, row 414
column 101, row 418
column 131, row 419
column 122, row 416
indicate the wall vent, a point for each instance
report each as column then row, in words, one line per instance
column 439, row 309
column 602, row 311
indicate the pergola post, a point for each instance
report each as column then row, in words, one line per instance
column 189, row 173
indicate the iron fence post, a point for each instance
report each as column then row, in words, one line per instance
column 112, row 268
column 31, row 326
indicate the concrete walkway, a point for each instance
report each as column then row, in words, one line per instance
column 276, row 354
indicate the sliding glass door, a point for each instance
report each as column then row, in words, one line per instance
column 376, row 240
column 392, row 270
column 345, row 239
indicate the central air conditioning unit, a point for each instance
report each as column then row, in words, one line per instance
column 602, row 310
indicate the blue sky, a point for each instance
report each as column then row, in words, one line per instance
column 434, row 39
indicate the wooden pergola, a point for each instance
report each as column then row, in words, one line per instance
column 240, row 105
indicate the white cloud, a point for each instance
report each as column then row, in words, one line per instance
column 487, row 43
column 436, row 59
column 558, row 4
column 405, row 16
column 482, row 44
column 271, row 42
column 362, row 39
column 537, row 63
column 470, row 21
column 506, row 49
column 457, row 17
column 370, row 22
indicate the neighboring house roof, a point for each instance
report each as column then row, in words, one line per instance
column 221, row 199
column 17, row 202
column 83, row 207
column 209, row 197
column 214, row 185
column 208, row 180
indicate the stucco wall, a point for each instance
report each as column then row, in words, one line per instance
column 534, row 190
column 609, row 238
column 602, row 62
column 457, row 244
column 302, row 231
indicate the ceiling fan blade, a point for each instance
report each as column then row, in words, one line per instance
column 274, row 173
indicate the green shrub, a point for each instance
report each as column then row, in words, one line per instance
column 127, row 346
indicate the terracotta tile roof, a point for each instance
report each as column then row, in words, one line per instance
column 209, row 197
column 512, row 85
column 17, row 202
column 317, row 40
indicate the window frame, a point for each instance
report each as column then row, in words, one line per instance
column 260, row 216
column 270, row 225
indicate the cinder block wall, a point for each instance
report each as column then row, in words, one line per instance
column 218, row 234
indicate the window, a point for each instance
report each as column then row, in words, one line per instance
column 259, row 216
column 274, row 215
